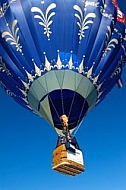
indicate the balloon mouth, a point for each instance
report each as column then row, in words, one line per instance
column 68, row 102
column 69, row 93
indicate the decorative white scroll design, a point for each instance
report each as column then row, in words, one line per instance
column 3, row 67
column 112, row 43
column 109, row 33
column 83, row 21
column 118, row 68
column 45, row 19
column 117, row 71
column 14, row 37
column 7, row 90
column 4, row 8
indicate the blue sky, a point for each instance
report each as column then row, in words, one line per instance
column 27, row 143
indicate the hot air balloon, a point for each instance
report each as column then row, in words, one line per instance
column 60, row 59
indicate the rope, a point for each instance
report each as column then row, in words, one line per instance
column 77, row 129
column 74, row 95
column 80, row 115
column 62, row 102
column 51, row 100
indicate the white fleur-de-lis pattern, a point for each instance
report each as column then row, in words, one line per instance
column 45, row 19
column 83, row 21
column 4, row 7
column 3, row 67
column 46, row 36
column 14, row 37
column 111, row 44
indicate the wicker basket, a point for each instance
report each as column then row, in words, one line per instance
column 68, row 160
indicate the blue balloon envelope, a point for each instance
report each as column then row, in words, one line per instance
column 61, row 57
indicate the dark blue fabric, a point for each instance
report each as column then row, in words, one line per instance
column 67, row 102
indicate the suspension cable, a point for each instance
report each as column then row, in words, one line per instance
column 79, row 124
column 74, row 96
column 52, row 102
